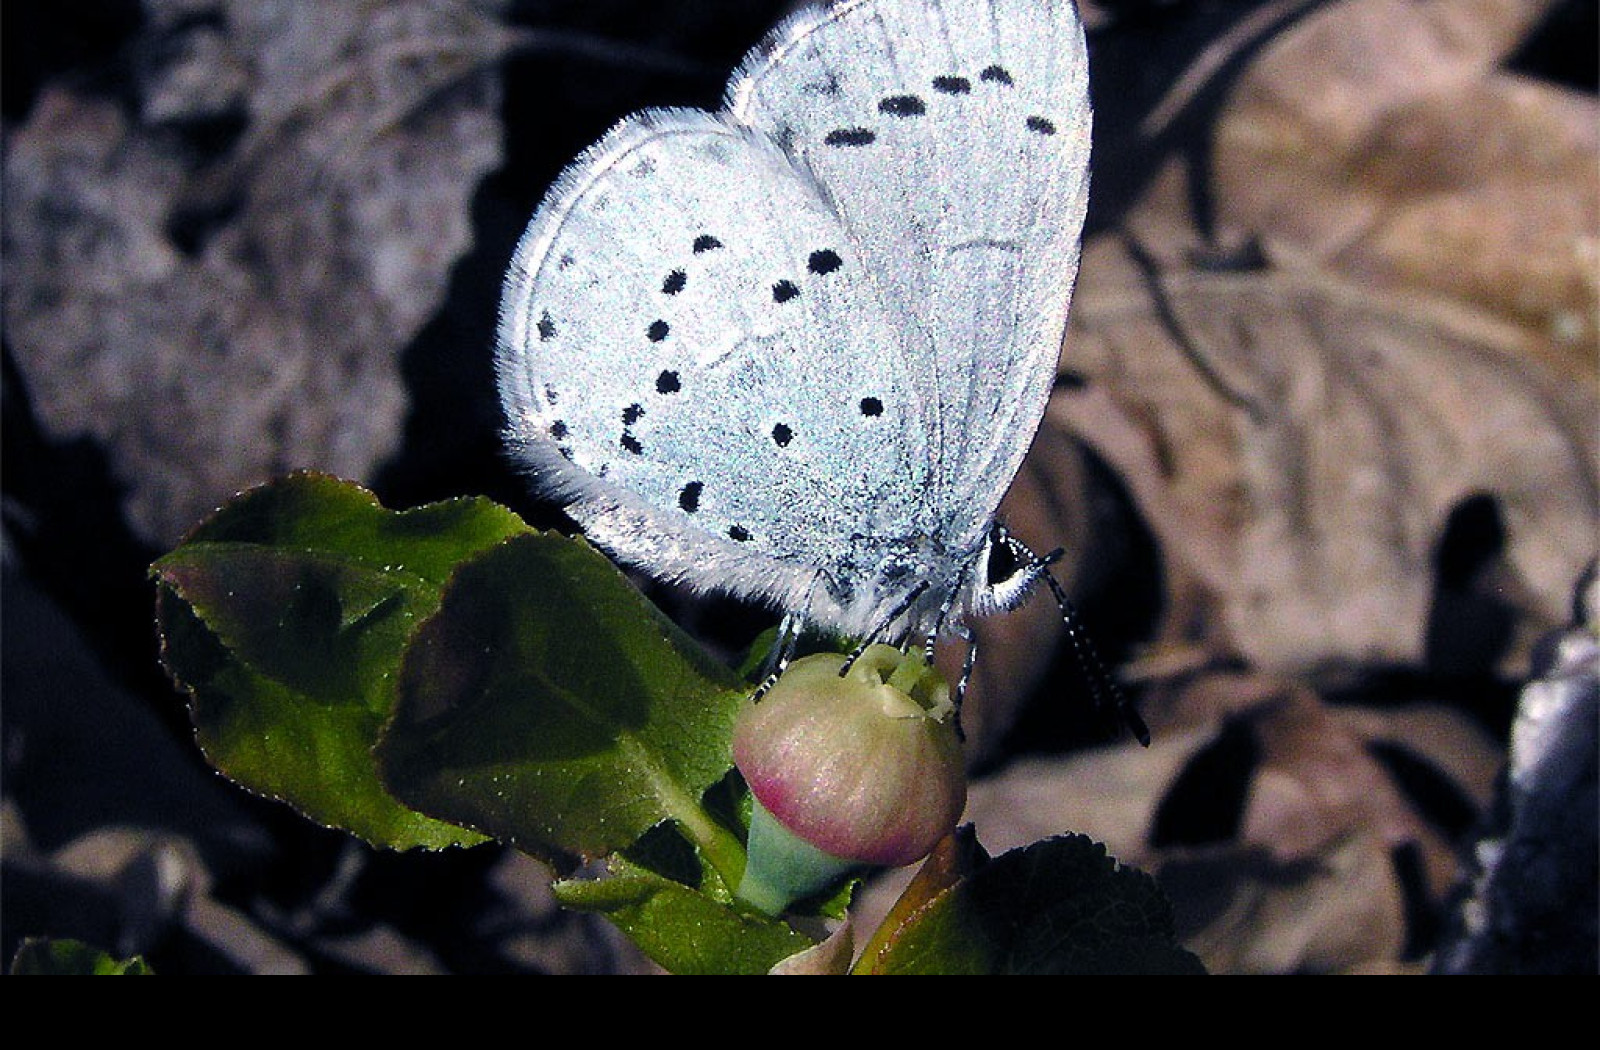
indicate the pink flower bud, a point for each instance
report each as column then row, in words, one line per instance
column 863, row 769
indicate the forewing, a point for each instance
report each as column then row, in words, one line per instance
column 690, row 354
column 953, row 139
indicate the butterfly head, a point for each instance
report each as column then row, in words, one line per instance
column 1004, row 573
column 995, row 576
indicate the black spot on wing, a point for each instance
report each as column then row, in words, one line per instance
column 824, row 261
column 902, row 106
column 849, row 137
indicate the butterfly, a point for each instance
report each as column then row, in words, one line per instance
column 795, row 350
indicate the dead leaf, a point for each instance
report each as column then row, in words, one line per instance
column 1300, row 428
column 1298, row 445
column 1269, row 817
column 219, row 316
column 828, row 957
column 1382, row 139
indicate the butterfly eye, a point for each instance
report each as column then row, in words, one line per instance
column 1010, row 570
column 1001, row 564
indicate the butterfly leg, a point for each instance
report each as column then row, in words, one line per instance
column 944, row 615
column 894, row 614
column 962, row 631
column 782, row 651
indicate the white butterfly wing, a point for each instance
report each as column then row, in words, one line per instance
column 691, row 354
column 953, row 139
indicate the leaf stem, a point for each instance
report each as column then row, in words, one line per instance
column 720, row 847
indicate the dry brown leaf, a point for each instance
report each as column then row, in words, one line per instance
column 1382, row 139
column 1299, row 872
column 1344, row 914
column 1299, row 436
column 218, row 319
column 1298, row 444
column 828, row 957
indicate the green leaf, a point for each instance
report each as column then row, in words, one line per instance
column 684, row 931
column 1061, row 906
column 66, row 958
column 285, row 615
column 551, row 706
